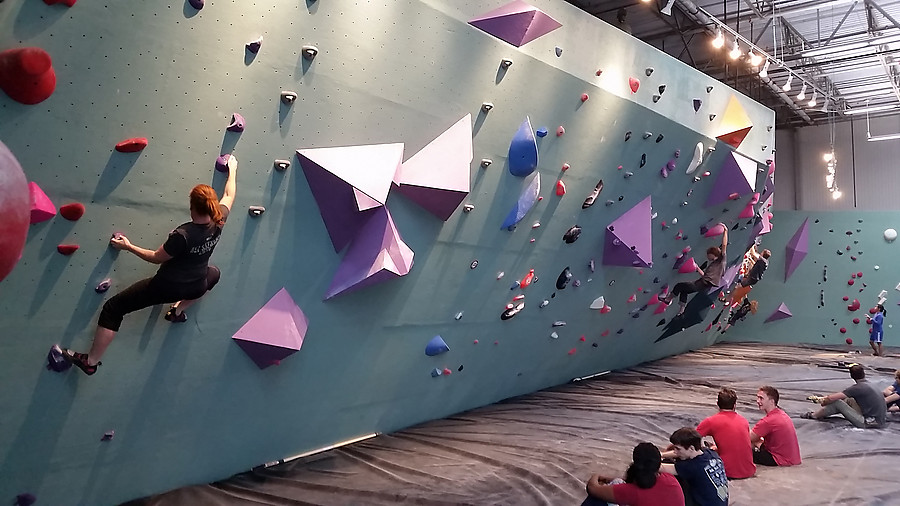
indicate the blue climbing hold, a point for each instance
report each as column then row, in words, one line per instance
column 436, row 346
column 542, row 132
column 523, row 151
column 436, row 372
column 526, row 201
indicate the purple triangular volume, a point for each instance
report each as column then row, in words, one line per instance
column 736, row 175
column 629, row 239
column 437, row 177
column 780, row 314
column 796, row 249
column 516, row 22
column 377, row 254
column 276, row 331
column 337, row 177
column 523, row 151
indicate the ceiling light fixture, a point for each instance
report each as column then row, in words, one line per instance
column 755, row 59
column 787, row 85
column 873, row 42
column 812, row 101
column 735, row 52
column 764, row 73
column 667, row 10
column 866, row 110
column 802, row 95
column 719, row 41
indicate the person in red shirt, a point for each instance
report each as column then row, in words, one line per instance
column 731, row 433
column 644, row 484
column 774, row 436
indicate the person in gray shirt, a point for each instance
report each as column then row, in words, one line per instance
column 861, row 404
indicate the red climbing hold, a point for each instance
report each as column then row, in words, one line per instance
column 584, row 97
column 572, row 351
column 846, row 298
column 843, row 330
column 873, row 310
column 67, row 3
column 859, row 274
column 856, row 321
column 599, row 71
column 560, row 188
column 27, row 75
column 560, row 131
column 634, row 84
column 852, row 275
column 566, row 166
column 447, row 371
column 605, row 309
column 605, row 333
column 67, row 249
column 848, row 341
column 850, row 282
column 72, row 211
column 132, row 145
column 527, row 279
column 582, row 339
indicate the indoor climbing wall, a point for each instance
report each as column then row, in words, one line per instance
column 827, row 271
column 523, row 184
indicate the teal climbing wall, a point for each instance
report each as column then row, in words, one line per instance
column 823, row 276
column 187, row 405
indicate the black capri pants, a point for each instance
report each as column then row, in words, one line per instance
column 150, row 292
column 687, row 287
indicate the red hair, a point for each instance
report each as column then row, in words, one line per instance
column 205, row 201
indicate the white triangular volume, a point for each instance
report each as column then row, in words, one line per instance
column 748, row 168
column 598, row 303
column 697, row 160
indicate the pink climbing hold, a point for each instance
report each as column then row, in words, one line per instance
column 566, row 166
column 42, row 209
column 634, row 84
column 132, row 145
column 560, row 131
column 632, row 298
column 67, row 249
column 582, row 339
column 717, row 229
column 605, row 309
column 856, row 320
column 852, row 275
column 14, row 207
column 734, row 196
column 27, row 75
column 846, row 298
column 854, row 306
column 73, row 211
column 572, row 351
column 850, row 282
column 688, row 266
column 584, row 97
column 604, row 333
column 843, row 330
column 447, row 371
column 560, row 188
column 859, row 274
column 653, row 300
column 67, row 3
column 873, row 310
column 475, row 341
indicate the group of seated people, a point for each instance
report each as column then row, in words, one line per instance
column 698, row 473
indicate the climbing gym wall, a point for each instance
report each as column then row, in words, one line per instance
column 440, row 204
column 827, row 271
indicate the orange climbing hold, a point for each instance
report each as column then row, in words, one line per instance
column 527, row 279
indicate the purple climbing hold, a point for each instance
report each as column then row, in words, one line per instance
column 237, row 123
column 222, row 162
column 108, row 435
column 254, row 45
column 56, row 361
column 25, row 499
column 670, row 165
column 197, row 4
column 103, row 286
column 663, row 172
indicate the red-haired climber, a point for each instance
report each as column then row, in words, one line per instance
column 184, row 274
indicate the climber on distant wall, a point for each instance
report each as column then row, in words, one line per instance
column 877, row 335
column 709, row 278
column 183, row 276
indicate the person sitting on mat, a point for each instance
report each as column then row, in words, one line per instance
column 183, row 276
column 774, row 436
column 709, row 278
column 892, row 394
column 699, row 470
column 860, row 404
column 644, row 484
column 731, row 432
column 877, row 334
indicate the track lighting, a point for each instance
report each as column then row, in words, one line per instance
column 764, row 73
column 719, row 41
column 755, row 59
column 802, row 95
column 812, row 101
column 735, row 52
column 787, row 85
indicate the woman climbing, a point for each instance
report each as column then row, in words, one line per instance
column 709, row 278
column 877, row 323
column 183, row 276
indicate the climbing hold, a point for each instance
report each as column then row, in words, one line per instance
column 558, row 51
column 858, row 274
column 560, row 131
column 850, row 282
column 659, row 138
column 506, row 63
column 628, row 174
column 197, row 4
column 554, row 335
column 643, row 159
column 523, row 152
column 848, row 340
column 458, row 316
column 73, row 211
column 132, row 145
column 663, row 172
column 559, row 323
column 108, row 435
column 560, row 188
column 591, row 265
column 648, row 71
column 634, row 84
column 103, row 285
column 647, row 135
column 288, row 97
column 310, row 52
column 237, row 123
column 563, row 279
column 536, row 224
column 890, row 235
column 566, row 166
column 527, row 200
column 254, row 45
column 500, row 274
column 486, row 162
column 518, row 298
column 256, row 210
column 856, row 320
column 846, row 298
column 527, row 280
column 544, row 303
column 435, row 372
column 709, row 89
column 633, row 298
column 584, row 97
column 67, row 249
column 474, row 264
column 605, row 309
column 688, row 266
column 436, row 346
column 656, row 98
column 282, row 165
column 487, row 106
column 468, row 208
column 222, row 162
column 42, row 209
column 27, row 74
column 598, row 303
column 572, row 234
column 627, row 135
column 697, row 104
column 511, row 311
column 843, row 331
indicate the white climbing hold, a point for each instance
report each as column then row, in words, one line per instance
column 674, row 221
column 554, row 335
column 598, row 303
column 697, row 160
column 890, row 234
column 458, row 316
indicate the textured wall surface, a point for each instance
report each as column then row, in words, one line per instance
column 186, row 403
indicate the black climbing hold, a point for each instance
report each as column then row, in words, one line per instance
column 620, row 331
column 563, row 278
column 661, row 323
column 735, row 227
column 817, row 220
column 712, row 117
column 839, row 252
column 709, row 89
column 820, row 243
column 636, row 315
column 665, row 255
column 612, row 282
column 589, row 201
column 513, row 311
column 552, row 295
column 621, row 197
column 656, row 280
column 460, row 367
column 627, row 135
column 474, row 264
column 643, row 159
column 831, row 230
column 662, row 89
column 596, row 345
column 656, row 98
column 572, row 234
column 660, row 138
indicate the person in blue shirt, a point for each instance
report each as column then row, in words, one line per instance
column 877, row 323
column 699, row 470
